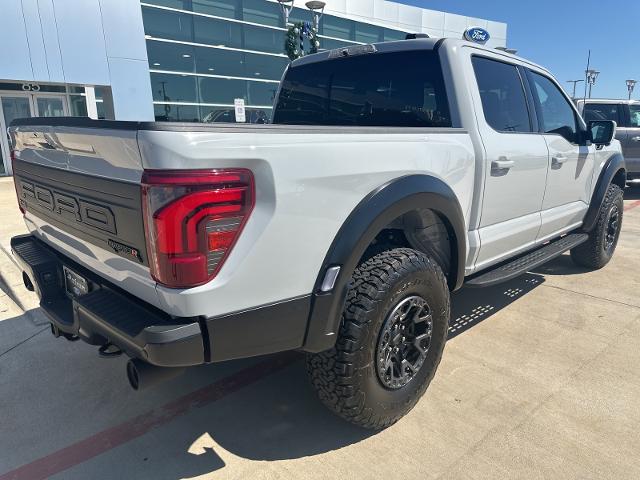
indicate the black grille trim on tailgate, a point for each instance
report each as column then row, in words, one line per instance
column 102, row 211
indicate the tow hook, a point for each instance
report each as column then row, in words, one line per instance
column 56, row 332
column 109, row 350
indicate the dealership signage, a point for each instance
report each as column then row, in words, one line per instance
column 477, row 35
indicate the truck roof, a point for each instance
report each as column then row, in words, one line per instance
column 410, row 44
column 621, row 101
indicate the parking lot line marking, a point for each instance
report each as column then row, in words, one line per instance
column 111, row 438
column 632, row 205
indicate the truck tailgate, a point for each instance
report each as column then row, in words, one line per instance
column 80, row 189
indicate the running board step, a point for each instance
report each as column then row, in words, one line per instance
column 529, row 261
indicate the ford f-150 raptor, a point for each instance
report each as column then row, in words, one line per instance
column 391, row 175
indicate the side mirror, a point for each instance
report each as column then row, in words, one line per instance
column 602, row 131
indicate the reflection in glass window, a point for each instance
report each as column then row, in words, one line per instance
column 367, row 33
column 173, row 88
column 78, row 106
column 167, row 24
column 263, row 39
column 391, row 35
column 336, row 27
column 266, row 67
column 221, row 90
column 227, row 115
column 174, row 57
column 179, row 4
column 502, row 94
column 371, row 90
column 219, row 8
column 327, row 44
column 556, row 113
column 264, row 13
column 213, row 61
column 262, row 93
column 217, row 32
column 177, row 113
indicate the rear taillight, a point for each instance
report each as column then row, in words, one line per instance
column 193, row 218
column 12, row 155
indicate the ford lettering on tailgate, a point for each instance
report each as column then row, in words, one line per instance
column 89, row 213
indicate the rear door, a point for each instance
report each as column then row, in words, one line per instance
column 516, row 157
column 571, row 161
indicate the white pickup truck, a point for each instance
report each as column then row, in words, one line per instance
column 392, row 174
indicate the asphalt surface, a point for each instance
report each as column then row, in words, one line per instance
column 540, row 379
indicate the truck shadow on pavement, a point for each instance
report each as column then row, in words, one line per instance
column 274, row 416
column 632, row 192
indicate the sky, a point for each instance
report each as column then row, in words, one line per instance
column 558, row 34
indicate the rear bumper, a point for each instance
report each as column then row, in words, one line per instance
column 107, row 314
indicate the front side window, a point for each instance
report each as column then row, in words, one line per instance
column 399, row 89
column 502, row 93
column 601, row 111
column 555, row 112
column 634, row 110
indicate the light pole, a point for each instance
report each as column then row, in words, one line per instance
column 575, row 82
column 592, row 76
column 287, row 6
column 631, row 84
column 317, row 9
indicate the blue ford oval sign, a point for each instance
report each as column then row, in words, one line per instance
column 477, row 35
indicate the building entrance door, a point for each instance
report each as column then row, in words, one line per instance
column 23, row 105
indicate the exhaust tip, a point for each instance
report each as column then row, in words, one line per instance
column 132, row 375
column 28, row 284
column 142, row 375
column 55, row 331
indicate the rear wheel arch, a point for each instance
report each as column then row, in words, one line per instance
column 409, row 200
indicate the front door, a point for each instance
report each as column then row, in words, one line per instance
column 516, row 162
column 571, row 165
column 24, row 105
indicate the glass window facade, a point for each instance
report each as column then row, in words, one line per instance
column 204, row 54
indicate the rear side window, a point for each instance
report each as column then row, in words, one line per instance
column 601, row 111
column 399, row 89
column 502, row 93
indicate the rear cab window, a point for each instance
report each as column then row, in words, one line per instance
column 393, row 89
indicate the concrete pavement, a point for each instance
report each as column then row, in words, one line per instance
column 539, row 380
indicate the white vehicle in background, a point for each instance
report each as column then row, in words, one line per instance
column 392, row 175
column 626, row 114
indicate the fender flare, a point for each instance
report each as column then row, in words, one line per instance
column 371, row 215
column 613, row 167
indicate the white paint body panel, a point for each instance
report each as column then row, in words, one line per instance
column 309, row 179
column 306, row 187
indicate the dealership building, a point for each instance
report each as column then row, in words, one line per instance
column 178, row 60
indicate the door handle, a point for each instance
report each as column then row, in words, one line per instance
column 635, row 139
column 502, row 164
column 558, row 160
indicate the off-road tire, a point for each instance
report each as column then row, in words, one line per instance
column 345, row 377
column 595, row 253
